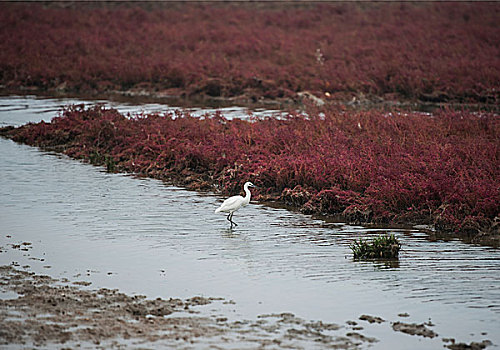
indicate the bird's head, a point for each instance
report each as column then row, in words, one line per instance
column 249, row 184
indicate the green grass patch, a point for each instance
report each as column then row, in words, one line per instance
column 381, row 247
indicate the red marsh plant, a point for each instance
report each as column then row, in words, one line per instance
column 427, row 51
column 408, row 168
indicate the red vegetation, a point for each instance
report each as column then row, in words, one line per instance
column 430, row 51
column 379, row 167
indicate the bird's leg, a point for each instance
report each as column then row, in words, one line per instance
column 230, row 219
column 229, row 216
column 232, row 222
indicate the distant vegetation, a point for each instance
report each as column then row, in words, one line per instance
column 429, row 51
column 408, row 168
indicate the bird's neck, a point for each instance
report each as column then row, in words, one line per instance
column 247, row 194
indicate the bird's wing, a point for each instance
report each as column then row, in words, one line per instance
column 231, row 203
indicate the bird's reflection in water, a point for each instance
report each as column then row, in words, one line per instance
column 229, row 233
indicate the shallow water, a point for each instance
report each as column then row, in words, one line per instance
column 146, row 237
column 18, row 110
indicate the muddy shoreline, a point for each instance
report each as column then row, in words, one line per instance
column 180, row 98
column 38, row 310
column 49, row 311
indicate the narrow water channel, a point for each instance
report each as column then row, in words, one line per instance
column 146, row 237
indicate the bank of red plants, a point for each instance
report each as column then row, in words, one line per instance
column 428, row 51
column 440, row 169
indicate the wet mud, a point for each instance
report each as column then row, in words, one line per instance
column 463, row 346
column 371, row 319
column 48, row 311
column 414, row 329
column 41, row 311
column 354, row 102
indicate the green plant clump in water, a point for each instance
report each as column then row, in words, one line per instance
column 381, row 247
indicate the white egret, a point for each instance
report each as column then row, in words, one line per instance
column 234, row 203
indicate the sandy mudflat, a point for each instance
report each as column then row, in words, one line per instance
column 38, row 310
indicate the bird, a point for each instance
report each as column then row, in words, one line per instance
column 234, row 203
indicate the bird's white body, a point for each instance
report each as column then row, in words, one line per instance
column 234, row 203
